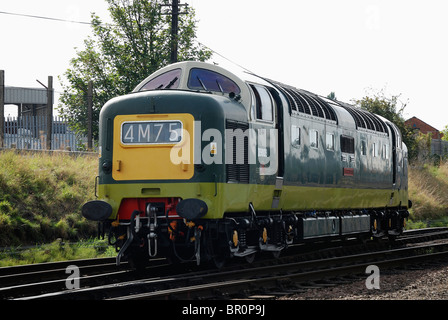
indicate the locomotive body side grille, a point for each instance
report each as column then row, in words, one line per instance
column 238, row 172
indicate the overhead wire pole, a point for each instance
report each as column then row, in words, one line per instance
column 2, row 108
column 49, row 117
column 49, row 112
column 89, row 115
column 175, row 27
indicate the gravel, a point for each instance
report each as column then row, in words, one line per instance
column 422, row 283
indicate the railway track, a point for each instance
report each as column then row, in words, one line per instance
column 290, row 277
column 26, row 280
column 101, row 279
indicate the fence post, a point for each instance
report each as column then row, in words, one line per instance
column 49, row 111
column 2, row 108
column 89, row 115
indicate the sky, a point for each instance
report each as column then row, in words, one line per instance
column 351, row 47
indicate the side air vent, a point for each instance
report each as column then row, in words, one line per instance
column 306, row 102
column 238, row 172
column 365, row 119
column 309, row 103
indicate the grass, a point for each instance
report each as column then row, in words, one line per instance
column 41, row 197
column 428, row 186
column 56, row 251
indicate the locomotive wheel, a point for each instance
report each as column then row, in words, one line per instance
column 220, row 256
column 392, row 238
column 172, row 258
column 217, row 249
column 138, row 261
column 250, row 258
column 219, row 261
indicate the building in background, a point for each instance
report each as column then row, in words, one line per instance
column 423, row 127
column 27, row 128
column 438, row 146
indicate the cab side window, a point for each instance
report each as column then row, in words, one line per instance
column 264, row 103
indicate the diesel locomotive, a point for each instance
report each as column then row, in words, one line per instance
column 200, row 163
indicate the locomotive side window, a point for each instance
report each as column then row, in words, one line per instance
column 203, row 79
column 385, row 151
column 263, row 103
column 167, row 80
column 295, row 136
column 329, row 141
column 314, row 138
column 348, row 144
column 374, row 150
column 363, row 148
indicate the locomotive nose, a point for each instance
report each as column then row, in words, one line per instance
column 153, row 147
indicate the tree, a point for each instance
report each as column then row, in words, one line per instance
column 117, row 56
column 444, row 133
column 332, row 96
column 392, row 109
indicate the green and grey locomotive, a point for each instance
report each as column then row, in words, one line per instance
column 201, row 163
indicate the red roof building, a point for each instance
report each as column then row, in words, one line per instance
column 423, row 127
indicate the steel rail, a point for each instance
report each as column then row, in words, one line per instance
column 203, row 284
column 46, row 271
column 288, row 273
column 108, row 285
column 52, row 277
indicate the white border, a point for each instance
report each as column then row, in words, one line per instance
column 151, row 143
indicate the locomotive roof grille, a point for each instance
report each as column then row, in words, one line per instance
column 302, row 106
column 365, row 119
column 309, row 103
column 290, row 100
column 320, row 107
column 359, row 121
column 329, row 112
column 314, row 108
column 306, row 102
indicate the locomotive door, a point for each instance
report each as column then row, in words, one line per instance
column 279, row 126
column 396, row 181
column 268, row 113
